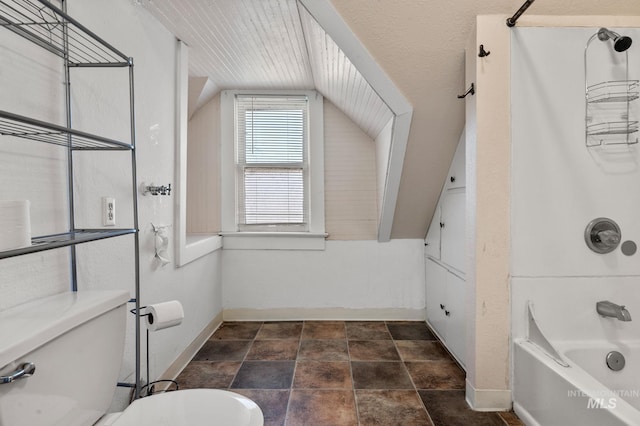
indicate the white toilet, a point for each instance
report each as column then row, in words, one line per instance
column 75, row 341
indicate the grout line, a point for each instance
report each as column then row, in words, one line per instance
column 506, row 423
column 353, row 383
column 244, row 358
column 452, row 358
column 293, row 377
column 350, row 361
column 415, row 388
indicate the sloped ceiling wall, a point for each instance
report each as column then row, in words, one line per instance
column 263, row 44
column 419, row 44
column 240, row 44
column 339, row 80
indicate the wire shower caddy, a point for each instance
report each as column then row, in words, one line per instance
column 611, row 116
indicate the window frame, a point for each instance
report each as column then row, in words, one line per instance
column 246, row 161
column 313, row 238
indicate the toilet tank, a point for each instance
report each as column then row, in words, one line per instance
column 76, row 342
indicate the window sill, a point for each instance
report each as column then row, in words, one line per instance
column 198, row 245
column 273, row 241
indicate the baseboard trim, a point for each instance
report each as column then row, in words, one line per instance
column 488, row 399
column 190, row 351
column 301, row 314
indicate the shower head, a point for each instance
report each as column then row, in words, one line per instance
column 620, row 43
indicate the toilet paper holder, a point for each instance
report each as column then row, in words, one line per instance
column 149, row 310
column 150, row 385
column 140, row 309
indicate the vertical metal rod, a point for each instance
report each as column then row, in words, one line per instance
column 147, row 356
column 586, row 92
column 511, row 22
column 67, row 84
column 626, row 77
column 134, row 183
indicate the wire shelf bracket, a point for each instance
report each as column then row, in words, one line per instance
column 42, row 23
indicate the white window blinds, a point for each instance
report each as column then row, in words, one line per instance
column 271, row 147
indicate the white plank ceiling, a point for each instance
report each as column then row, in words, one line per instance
column 269, row 44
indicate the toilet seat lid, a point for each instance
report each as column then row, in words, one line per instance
column 191, row 407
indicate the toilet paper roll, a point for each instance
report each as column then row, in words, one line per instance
column 164, row 315
column 15, row 224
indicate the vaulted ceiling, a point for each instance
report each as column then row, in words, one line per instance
column 269, row 44
column 418, row 43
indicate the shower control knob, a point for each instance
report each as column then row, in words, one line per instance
column 602, row 235
column 608, row 238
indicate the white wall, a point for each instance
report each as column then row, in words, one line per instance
column 565, row 308
column 347, row 280
column 32, row 171
column 558, row 184
column 32, row 86
column 487, row 207
column 350, row 191
column 354, row 276
column 203, row 169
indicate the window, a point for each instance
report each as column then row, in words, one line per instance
column 272, row 169
column 271, row 135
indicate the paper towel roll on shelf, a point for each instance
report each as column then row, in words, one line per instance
column 15, row 224
column 164, row 315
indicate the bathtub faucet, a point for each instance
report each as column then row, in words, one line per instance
column 610, row 309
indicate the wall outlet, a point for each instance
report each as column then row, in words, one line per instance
column 108, row 211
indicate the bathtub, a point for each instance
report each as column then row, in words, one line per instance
column 567, row 382
column 584, row 393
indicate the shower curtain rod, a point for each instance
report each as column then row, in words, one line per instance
column 511, row 22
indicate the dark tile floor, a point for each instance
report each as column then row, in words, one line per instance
column 339, row 373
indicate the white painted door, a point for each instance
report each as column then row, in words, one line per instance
column 456, row 318
column 432, row 241
column 452, row 241
column 436, row 287
column 457, row 171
